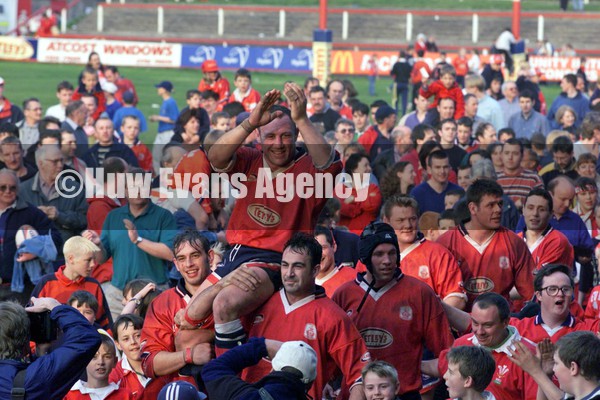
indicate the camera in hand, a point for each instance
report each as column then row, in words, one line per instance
column 42, row 328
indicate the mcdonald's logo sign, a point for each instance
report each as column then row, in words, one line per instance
column 342, row 62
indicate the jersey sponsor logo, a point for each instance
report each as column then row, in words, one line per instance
column 365, row 358
column 258, row 319
column 406, row 313
column 502, row 371
column 479, row 284
column 376, row 338
column 310, row 331
column 263, row 215
column 504, row 263
column 424, row 272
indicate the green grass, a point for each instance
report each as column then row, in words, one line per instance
column 469, row 5
column 28, row 79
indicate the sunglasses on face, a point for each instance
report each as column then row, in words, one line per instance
column 9, row 188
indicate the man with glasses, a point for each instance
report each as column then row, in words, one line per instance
column 344, row 134
column 554, row 288
column 59, row 198
column 28, row 128
column 14, row 213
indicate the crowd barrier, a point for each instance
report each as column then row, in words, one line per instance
column 255, row 58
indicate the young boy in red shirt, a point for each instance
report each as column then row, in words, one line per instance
column 131, row 130
column 244, row 93
column 445, row 87
column 98, row 370
column 128, row 373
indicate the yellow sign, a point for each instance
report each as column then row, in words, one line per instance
column 342, row 62
column 321, row 58
column 15, row 48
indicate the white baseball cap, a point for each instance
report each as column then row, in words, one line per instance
column 109, row 87
column 297, row 355
column 1, row 80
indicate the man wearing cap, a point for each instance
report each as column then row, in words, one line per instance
column 169, row 112
column 493, row 70
column 378, row 137
column 302, row 311
column 294, row 370
column 8, row 111
column 180, row 390
column 213, row 80
column 397, row 315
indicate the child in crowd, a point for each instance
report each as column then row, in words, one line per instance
column 463, row 177
column 166, row 121
column 452, row 197
column 470, row 371
column 244, row 93
column 74, row 276
column 428, row 225
column 85, row 303
column 112, row 104
column 98, row 370
column 64, row 92
column 219, row 121
column 89, row 85
column 137, row 296
column 447, row 221
column 128, row 373
column 380, row 381
column 131, row 130
column 445, row 87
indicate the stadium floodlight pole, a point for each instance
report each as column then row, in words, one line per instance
column 516, row 19
column 322, row 14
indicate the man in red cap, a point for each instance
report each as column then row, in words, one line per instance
column 213, row 80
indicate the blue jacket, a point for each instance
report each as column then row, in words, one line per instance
column 23, row 214
column 221, row 380
column 51, row 376
column 579, row 103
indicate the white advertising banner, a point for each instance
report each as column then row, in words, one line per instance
column 112, row 52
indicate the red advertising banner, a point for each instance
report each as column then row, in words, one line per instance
column 347, row 62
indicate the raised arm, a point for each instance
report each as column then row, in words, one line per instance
column 222, row 152
column 317, row 147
